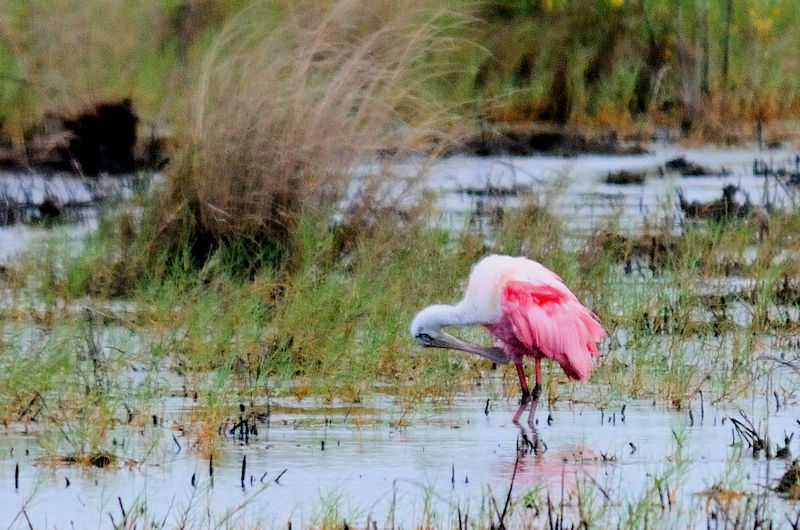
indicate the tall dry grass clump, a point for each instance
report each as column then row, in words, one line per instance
column 285, row 115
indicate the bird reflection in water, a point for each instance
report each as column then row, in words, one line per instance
column 529, row 438
column 559, row 469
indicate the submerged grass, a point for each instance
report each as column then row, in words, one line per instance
column 700, row 315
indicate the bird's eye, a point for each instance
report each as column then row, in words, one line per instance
column 424, row 338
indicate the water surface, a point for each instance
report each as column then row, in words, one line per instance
column 357, row 460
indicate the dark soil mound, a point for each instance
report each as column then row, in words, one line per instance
column 99, row 140
column 102, row 139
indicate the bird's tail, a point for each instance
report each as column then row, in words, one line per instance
column 576, row 361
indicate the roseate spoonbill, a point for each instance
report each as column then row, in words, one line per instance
column 530, row 312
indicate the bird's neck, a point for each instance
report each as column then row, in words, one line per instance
column 442, row 315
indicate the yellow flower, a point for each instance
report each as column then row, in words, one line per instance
column 763, row 27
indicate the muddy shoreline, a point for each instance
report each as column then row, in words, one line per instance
column 109, row 138
column 545, row 139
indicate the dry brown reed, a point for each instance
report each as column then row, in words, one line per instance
column 284, row 118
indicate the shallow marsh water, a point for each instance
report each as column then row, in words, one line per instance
column 381, row 464
column 80, row 198
column 448, row 457
column 574, row 187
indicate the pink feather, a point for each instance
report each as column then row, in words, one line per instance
column 546, row 320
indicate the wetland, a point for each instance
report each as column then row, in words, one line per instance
column 261, row 402
column 218, row 218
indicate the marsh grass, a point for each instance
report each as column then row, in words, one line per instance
column 686, row 311
column 61, row 56
column 68, row 386
column 618, row 63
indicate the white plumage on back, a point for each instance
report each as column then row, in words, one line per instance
column 489, row 276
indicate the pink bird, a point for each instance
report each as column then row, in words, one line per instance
column 528, row 309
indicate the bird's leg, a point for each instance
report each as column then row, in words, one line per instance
column 530, row 440
column 532, row 412
column 537, row 388
column 523, row 383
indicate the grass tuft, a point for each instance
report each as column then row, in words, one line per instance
column 283, row 118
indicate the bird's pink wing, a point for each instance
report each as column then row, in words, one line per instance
column 547, row 317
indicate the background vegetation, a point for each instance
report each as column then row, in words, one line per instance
column 614, row 63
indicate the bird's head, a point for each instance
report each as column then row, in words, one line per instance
column 426, row 328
